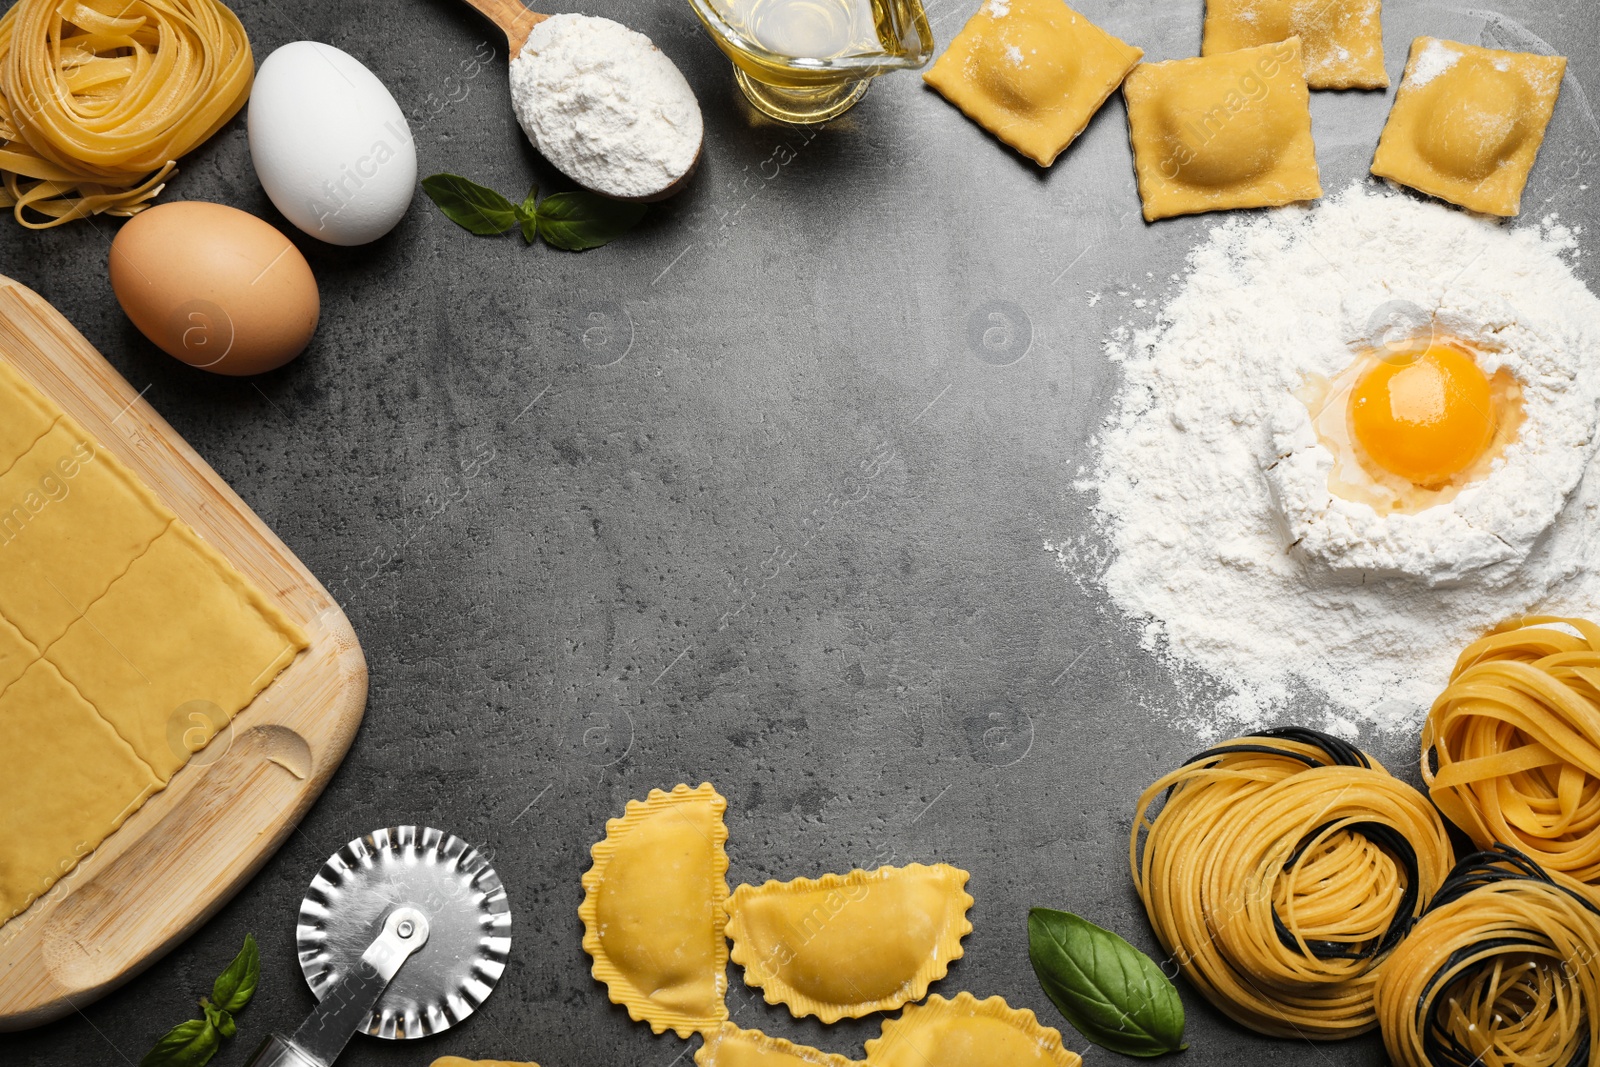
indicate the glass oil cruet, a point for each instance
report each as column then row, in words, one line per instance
column 808, row 60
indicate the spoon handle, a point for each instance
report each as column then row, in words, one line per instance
column 514, row 20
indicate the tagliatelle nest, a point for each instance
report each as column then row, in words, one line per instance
column 99, row 98
column 1280, row 871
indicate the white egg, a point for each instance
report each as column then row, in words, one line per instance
column 330, row 145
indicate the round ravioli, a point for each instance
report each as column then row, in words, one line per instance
column 844, row 946
column 733, row 1047
column 968, row 1032
column 655, row 908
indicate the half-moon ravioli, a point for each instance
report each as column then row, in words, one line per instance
column 968, row 1032
column 655, row 909
column 733, row 1047
column 844, row 946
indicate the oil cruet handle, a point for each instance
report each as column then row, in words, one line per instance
column 330, row 1025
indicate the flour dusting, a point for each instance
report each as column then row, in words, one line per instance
column 1218, row 560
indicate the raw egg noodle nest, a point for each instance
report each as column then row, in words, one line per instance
column 1511, row 749
column 99, row 98
column 1503, row 970
column 1280, row 871
column 1492, row 524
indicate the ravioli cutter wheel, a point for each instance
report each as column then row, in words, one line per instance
column 402, row 934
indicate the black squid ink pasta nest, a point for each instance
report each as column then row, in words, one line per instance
column 1280, row 871
column 1502, row 970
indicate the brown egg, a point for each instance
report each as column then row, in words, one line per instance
column 215, row 287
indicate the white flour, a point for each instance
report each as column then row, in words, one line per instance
column 605, row 106
column 1436, row 58
column 1201, row 550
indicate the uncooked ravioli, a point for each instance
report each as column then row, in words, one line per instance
column 654, row 910
column 844, row 946
column 733, row 1047
column 968, row 1032
column 69, row 782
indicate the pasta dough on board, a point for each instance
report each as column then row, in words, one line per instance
column 139, row 660
column 69, row 782
column 116, row 619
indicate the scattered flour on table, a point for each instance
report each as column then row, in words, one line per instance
column 1226, row 563
column 605, row 105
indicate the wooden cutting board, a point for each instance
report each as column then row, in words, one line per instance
column 193, row 845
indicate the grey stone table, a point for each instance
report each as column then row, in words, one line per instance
column 758, row 495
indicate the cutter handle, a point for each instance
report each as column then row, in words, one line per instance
column 276, row 1051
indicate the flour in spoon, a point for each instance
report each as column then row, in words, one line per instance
column 1273, row 599
column 605, row 106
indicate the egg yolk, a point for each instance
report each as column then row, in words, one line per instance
column 1424, row 416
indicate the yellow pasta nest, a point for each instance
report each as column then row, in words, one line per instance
column 730, row 1046
column 968, row 1032
column 1511, row 749
column 1280, row 871
column 655, row 909
column 1502, row 970
column 844, row 946
column 99, row 98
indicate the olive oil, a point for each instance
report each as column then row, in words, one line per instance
column 809, row 60
column 807, row 29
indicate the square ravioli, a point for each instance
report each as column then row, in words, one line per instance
column 1468, row 122
column 1343, row 39
column 177, row 647
column 1221, row 132
column 72, row 518
column 17, row 654
column 1032, row 72
column 25, row 415
column 69, row 782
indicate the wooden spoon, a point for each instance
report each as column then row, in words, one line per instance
column 516, row 22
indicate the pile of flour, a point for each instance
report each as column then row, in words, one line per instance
column 606, row 106
column 1201, row 551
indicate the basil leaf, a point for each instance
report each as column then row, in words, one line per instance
column 579, row 220
column 470, row 205
column 190, row 1044
column 1111, row 992
column 219, row 1019
column 235, row 986
column 528, row 215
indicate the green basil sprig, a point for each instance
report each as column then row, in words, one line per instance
column 571, row 221
column 1112, row 993
column 193, row 1043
